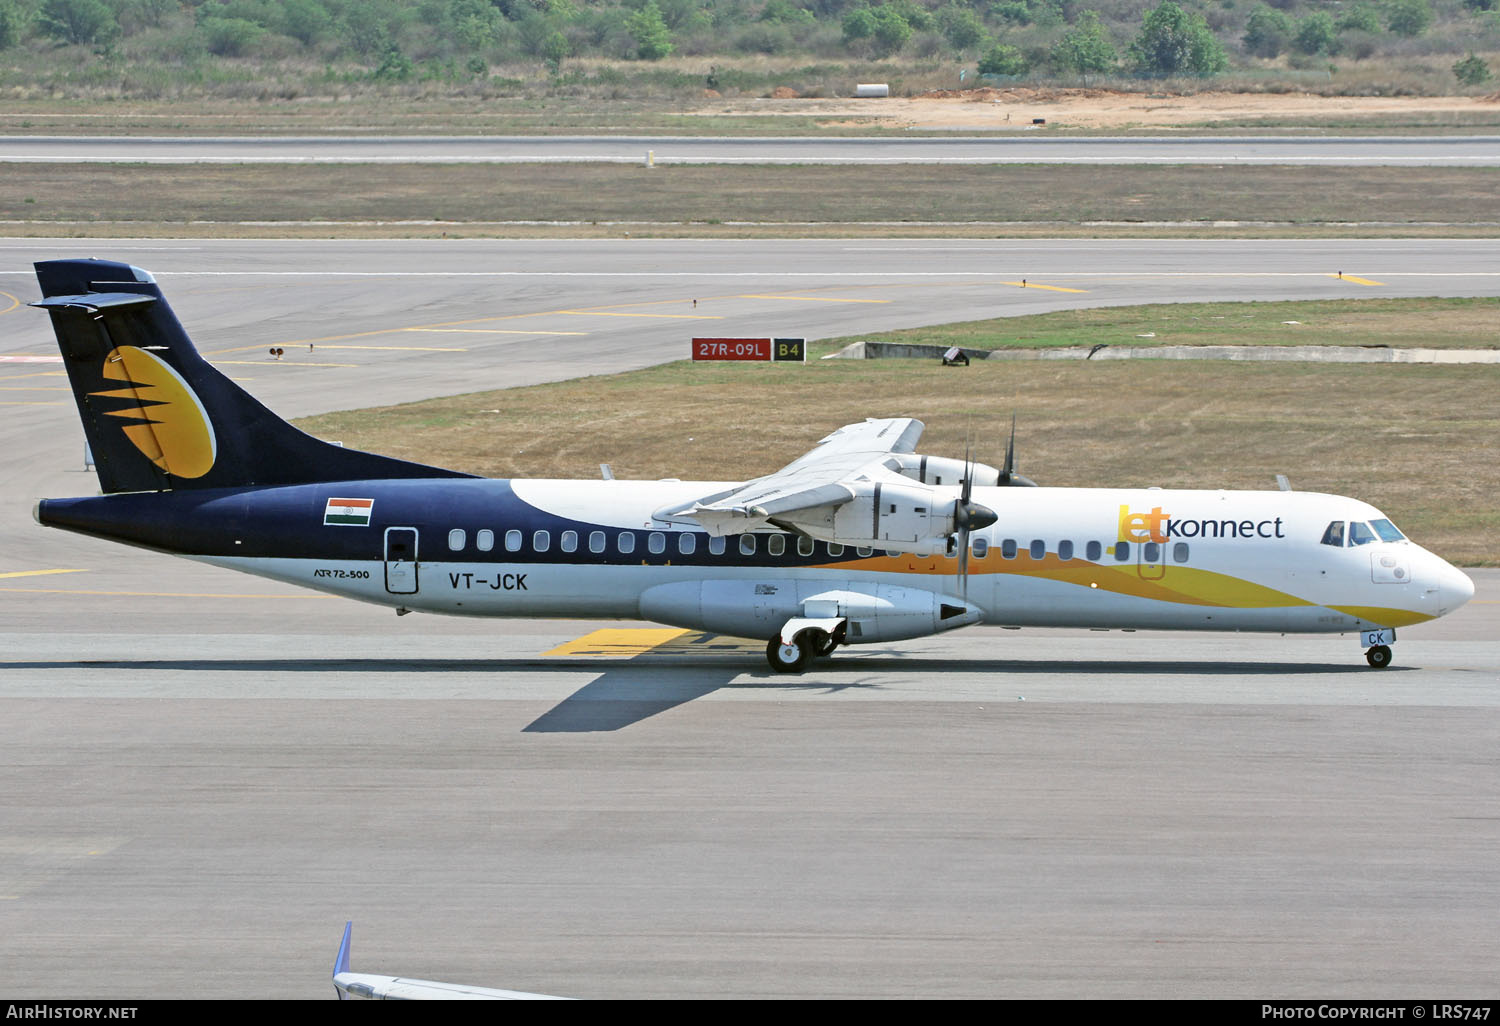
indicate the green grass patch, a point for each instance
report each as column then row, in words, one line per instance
column 1430, row 323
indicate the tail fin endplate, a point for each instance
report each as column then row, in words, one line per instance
column 160, row 417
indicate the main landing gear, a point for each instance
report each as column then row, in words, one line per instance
column 809, row 644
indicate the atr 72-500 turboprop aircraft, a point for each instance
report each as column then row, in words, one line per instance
column 863, row 540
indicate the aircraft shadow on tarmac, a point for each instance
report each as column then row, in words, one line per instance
column 627, row 691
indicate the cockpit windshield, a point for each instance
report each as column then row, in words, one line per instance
column 1360, row 533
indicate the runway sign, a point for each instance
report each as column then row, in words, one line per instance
column 767, row 349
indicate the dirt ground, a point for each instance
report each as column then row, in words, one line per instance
column 1106, row 109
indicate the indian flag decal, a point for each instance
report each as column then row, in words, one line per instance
column 348, row 512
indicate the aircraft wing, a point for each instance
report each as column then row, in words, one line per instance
column 371, row 987
column 822, row 477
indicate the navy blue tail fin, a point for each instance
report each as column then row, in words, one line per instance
column 157, row 415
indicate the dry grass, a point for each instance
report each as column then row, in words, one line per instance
column 720, row 194
column 1417, row 441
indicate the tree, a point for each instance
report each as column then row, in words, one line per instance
column 653, row 40
column 1266, row 32
column 10, row 24
column 1002, row 59
column 1085, row 49
column 961, row 27
column 1408, row 17
column 892, row 30
column 1316, row 34
column 1173, row 42
column 1471, row 71
column 78, row 21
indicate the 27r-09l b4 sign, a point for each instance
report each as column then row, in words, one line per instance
column 771, row 349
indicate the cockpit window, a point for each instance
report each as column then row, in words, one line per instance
column 1335, row 534
column 1387, row 530
column 1360, row 533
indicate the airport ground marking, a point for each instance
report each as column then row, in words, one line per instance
column 1024, row 284
column 1341, row 276
column 40, row 573
column 629, row 642
column 15, row 303
column 813, row 299
column 402, row 349
column 657, row 316
column 490, row 331
column 279, row 597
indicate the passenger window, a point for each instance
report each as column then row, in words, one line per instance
column 541, row 541
column 485, row 540
column 835, row 549
column 596, row 541
column 1064, row 550
column 1122, row 552
column 686, row 543
column 805, row 546
column 512, row 541
column 1008, row 549
column 1093, row 551
column 747, row 544
column 656, row 542
column 1151, row 553
column 864, row 550
column 1180, row 552
column 981, row 548
column 716, row 546
column 569, row 541
column 1334, row 535
column 456, row 539
column 1038, row 549
column 1360, row 533
column 776, row 544
column 626, row 541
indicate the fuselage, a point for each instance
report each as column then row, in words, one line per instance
column 1057, row 557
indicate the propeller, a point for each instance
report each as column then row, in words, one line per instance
column 968, row 515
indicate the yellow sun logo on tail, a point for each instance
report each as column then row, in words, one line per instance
column 170, row 426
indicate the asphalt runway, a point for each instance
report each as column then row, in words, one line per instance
column 1018, row 147
column 207, row 774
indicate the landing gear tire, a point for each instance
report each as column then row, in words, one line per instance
column 787, row 658
column 1379, row 656
column 825, row 646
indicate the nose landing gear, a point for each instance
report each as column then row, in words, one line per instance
column 1379, row 656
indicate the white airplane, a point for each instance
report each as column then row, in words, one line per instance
column 861, row 541
column 369, row 987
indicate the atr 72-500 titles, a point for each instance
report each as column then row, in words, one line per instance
column 863, row 540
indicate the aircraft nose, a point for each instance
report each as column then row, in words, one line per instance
column 1456, row 585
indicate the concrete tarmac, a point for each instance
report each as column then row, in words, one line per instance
column 207, row 774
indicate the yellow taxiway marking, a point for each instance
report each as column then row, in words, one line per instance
column 166, row 594
column 33, row 374
column 267, row 362
column 14, row 302
column 489, row 331
column 815, row 299
column 1034, row 285
column 402, row 349
column 658, row 316
column 1357, row 281
column 39, row 573
column 629, row 642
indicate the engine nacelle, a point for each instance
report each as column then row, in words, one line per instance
column 883, row 514
column 940, row 470
column 758, row 609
